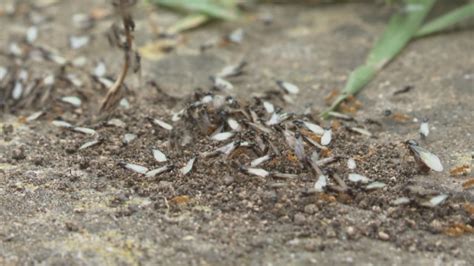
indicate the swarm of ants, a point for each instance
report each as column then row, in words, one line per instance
column 23, row 85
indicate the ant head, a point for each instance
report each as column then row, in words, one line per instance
column 411, row 142
column 297, row 134
column 298, row 123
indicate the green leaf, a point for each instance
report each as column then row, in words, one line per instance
column 220, row 9
column 400, row 30
column 447, row 20
column 188, row 22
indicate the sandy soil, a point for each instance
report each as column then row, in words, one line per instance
column 64, row 205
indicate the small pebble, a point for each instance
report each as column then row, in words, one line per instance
column 128, row 138
column 72, row 227
column 299, row 219
column 350, row 230
column 228, row 180
column 384, row 236
column 116, row 123
column 351, row 164
column 18, row 154
column 311, row 209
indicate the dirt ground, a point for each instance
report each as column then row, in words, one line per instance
column 63, row 205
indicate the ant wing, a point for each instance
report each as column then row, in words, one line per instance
column 428, row 158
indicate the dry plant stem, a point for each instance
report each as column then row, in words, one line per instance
column 115, row 92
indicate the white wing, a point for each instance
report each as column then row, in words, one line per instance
column 431, row 160
column 321, row 183
column 222, row 136
column 188, row 167
column 288, row 87
column 326, row 138
column 424, row 129
column 314, row 128
column 258, row 172
column 159, row 156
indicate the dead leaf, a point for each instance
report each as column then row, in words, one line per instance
column 458, row 229
column 351, row 105
column 331, row 96
column 326, row 197
column 274, row 162
column 292, row 157
column 326, row 153
column 189, row 22
column 310, row 135
column 98, row 13
column 241, row 152
column 336, row 125
column 468, row 184
column 469, row 208
column 363, row 158
column 45, row 3
column 460, row 170
column 158, row 49
column 22, row 120
column 344, row 198
column 180, row 200
column 400, row 117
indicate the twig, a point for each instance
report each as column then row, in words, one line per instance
column 115, row 92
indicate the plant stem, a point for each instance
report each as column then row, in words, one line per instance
column 113, row 95
column 400, row 30
column 446, row 20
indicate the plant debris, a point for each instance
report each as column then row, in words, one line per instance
column 216, row 158
column 131, row 57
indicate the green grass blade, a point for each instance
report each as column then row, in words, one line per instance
column 447, row 20
column 220, row 9
column 401, row 29
column 358, row 78
column 188, row 22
